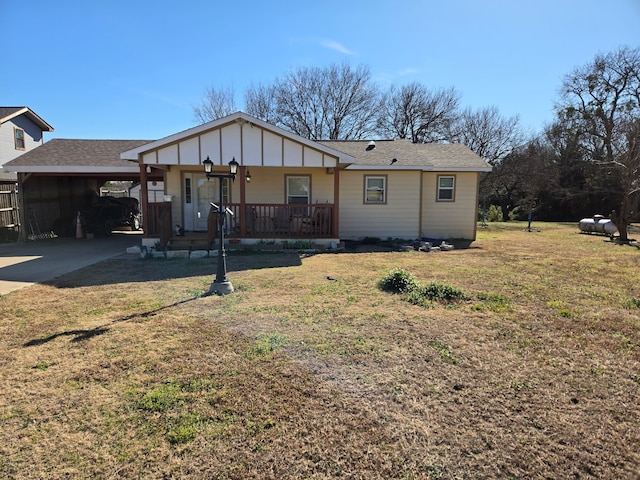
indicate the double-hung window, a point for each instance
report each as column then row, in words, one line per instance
column 18, row 135
column 375, row 189
column 446, row 188
column 298, row 191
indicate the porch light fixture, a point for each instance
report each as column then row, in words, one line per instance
column 221, row 285
column 248, row 176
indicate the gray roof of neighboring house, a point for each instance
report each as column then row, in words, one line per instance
column 7, row 113
column 408, row 155
column 63, row 155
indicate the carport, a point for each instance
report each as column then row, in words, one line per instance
column 62, row 177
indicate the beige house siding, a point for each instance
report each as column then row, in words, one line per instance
column 268, row 185
column 449, row 220
column 397, row 218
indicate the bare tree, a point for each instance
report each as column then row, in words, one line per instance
column 488, row 133
column 627, row 167
column 602, row 101
column 217, row 102
column 414, row 112
column 333, row 103
column 260, row 101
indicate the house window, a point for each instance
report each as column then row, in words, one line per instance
column 446, row 188
column 19, row 138
column 375, row 189
column 298, row 189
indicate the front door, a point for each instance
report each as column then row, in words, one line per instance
column 199, row 193
column 206, row 191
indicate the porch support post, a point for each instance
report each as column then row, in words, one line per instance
column 242, row 211
column 336, row 202
column 144, row 201
column 22, row 211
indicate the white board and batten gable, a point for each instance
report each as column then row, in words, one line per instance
column 252, row 142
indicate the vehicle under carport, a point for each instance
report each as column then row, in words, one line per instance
column 63, row 177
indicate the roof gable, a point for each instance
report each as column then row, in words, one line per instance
column 251, row 141
column 8, row 113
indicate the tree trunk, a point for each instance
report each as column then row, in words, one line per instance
column 623, row 218
column 505, row 211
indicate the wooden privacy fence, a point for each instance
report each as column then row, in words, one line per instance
column 9, row 218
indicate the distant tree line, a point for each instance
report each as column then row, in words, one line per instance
column 585, row 162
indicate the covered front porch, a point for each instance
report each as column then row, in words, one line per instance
column 284, row 187
column 249, row 223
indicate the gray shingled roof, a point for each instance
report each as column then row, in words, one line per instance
column 65, row 154
column 426, row 156
column 8, row 111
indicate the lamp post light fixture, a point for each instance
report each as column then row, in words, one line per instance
column 221, row 285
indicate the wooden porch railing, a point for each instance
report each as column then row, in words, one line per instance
column 299, row 221
column 260, row 220
column 157, row 222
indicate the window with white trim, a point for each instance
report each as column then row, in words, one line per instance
column 375, row 189
column 446, row 188
column 298, row 189
column 18, row 135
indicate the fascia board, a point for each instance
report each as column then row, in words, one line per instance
column 69, row 169
column 390, row 168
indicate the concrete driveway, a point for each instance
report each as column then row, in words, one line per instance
column 25, row 263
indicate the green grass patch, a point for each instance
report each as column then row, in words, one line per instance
column 444, row 351
column 267, row 343
column 161, row 398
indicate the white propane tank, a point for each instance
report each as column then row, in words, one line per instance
column 597, row 224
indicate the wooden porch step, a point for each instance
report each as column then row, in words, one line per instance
column 185, row 243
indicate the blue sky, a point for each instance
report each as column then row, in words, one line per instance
column 134, row 69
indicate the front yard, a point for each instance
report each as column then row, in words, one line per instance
column 309, row 370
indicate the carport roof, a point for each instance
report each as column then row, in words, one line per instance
column 77, row 157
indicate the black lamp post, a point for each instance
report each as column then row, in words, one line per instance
column 221, row 285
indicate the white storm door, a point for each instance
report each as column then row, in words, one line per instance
column 205, row 192
column 198, row 194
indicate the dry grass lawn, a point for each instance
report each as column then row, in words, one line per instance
column 126, row 370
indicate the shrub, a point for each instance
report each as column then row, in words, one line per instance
column 398, row 280
column 494, row 213
column 441, row 292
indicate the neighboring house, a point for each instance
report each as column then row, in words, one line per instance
column 303, row 189
column 21, row 130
